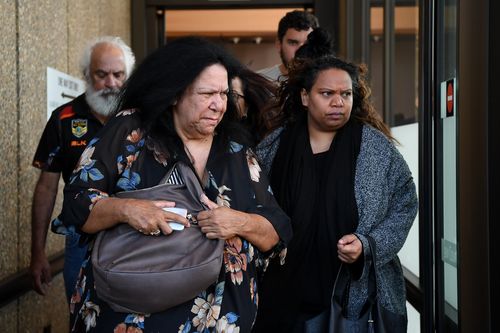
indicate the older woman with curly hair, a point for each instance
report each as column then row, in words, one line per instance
column 336, row 172
column 176, row 108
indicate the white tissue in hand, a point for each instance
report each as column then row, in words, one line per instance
column 179, row 211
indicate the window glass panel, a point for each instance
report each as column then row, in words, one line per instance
column 405, row 107
column 403, row 117
column 447, row 73
column 407, row 135
column 413, row 319
column 376, row 70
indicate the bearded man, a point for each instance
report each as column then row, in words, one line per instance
column 106, row 63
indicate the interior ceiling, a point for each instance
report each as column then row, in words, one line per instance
column 259, row 25
column 405, row 20
column 242, row 24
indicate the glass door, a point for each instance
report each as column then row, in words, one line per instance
column 394, row 65
column 447, row 262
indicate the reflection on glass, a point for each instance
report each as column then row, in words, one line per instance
column 403, row 117
column 446, row 70
column 405, row 65
column 413, row 319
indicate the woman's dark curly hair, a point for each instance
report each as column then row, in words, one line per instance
column 304, row 75
column 163, row 77
column 259, row 93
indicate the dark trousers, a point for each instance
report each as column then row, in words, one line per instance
column 307, row 323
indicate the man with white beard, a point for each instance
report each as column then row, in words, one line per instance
column 106, row 63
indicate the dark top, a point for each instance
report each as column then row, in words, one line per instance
column 387, row 204
column 119, row 160
column 317, row 192
column 66, row 135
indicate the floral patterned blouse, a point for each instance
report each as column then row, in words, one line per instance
column 117, row 160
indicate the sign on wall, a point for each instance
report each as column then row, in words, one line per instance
column 61, row 88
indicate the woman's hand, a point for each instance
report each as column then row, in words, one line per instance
column 221, row 222
column 224, row 223
column 349, row 248
column 146, row 216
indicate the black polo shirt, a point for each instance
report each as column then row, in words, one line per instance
column 67, row 133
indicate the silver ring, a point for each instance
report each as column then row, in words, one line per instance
column 140, row 230
column 155, row 233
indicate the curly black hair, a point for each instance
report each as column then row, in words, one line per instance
column 319, row 43
column 303, row 76
column 162, row 78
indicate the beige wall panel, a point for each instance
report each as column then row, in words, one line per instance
column 116, row 18
column 8, row 139
column 42, row 42
column 83, row 25
column 8, row 317
column 93, row 18
column 37, row 35
column 38, row 312
column 55, row 242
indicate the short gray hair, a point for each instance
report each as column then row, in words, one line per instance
column 113, row 40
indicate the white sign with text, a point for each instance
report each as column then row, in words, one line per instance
column 61, row 88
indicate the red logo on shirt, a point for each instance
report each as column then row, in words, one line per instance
column 78, row 143
column 67, row 112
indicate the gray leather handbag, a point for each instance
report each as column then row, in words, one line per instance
column 374, row 318
column 139, row 273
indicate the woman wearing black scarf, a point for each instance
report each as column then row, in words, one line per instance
column 335, row 171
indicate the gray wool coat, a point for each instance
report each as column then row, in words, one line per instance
column 387, row 205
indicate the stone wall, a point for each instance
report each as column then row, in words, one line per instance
column 37, row 35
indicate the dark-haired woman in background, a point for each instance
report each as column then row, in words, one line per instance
column 253, row 94
column 335, row 171
column 176, row 108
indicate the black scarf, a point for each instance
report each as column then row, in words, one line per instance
column 322, row 208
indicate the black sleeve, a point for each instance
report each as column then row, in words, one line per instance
column 103, row 166
column 266, row 205
column 48, row 155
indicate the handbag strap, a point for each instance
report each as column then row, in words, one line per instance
column 179, row 174
column 182, row 173
column 373, row 268
column 342, row 283
column 172, row 176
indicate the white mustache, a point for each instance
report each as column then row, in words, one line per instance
column 103, row 101
column 108, row 92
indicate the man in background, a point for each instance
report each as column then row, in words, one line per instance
column 106, row 63
column 293, row 29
